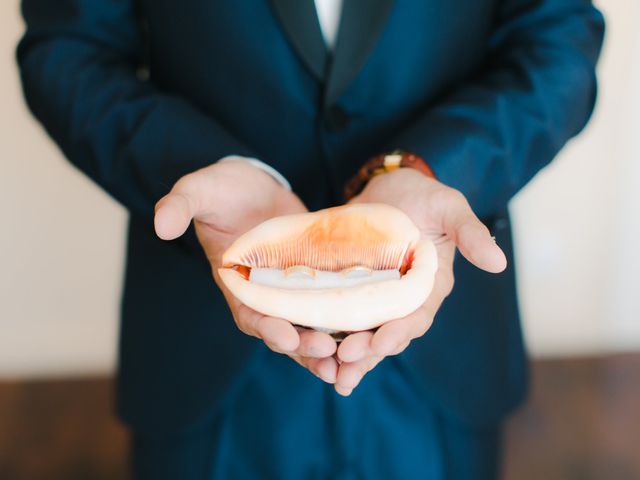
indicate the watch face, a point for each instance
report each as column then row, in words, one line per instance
column 385, row 163
column 391, row 162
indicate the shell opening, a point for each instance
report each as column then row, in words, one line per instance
column 307, row 277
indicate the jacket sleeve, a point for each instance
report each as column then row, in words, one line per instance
column 79, row 61
column 535, row 89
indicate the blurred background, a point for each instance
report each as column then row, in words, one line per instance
column 576, row 226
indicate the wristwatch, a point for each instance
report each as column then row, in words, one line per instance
column 387, row 162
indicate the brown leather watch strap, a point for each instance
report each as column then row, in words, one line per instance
column 386, row 162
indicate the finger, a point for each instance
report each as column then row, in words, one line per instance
column 173, row 215
column 174, row 211
column 345, row 392
column 277, row 332
column 401, row 348
column 326, row 369
column 478, row 246
column 275, row 348
column 471, row 236
column 355, row 347
column 315, row 344
column 444, row 278
column 351, row 374
column 390, row 336
column 393, row 337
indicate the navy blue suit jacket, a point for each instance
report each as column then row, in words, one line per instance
column 138, row 93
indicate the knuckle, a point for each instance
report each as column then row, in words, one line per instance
column 449, row 289
column 452, row 195
column 396, row 351
column 357, row 379
column 455, row 195
column 242, row 328
column 246, row 327
column 446, row 197
column 401, row 348
column 374, row 363
column 440, row 197
column 185, row 182
column 423, row 327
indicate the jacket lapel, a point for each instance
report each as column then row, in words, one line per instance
column 361, row 24
column 300, row 22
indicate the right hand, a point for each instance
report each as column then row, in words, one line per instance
column 225, row 200
column 443, row 215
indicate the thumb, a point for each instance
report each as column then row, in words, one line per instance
column 473, row 238
column 476, row 244
column 174, row 211
column 173, row 215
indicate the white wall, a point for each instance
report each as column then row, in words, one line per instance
column 61, row 244
column 578, row 222
column 62, row 239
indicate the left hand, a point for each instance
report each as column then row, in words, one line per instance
column 224, row 200
column 443, row 215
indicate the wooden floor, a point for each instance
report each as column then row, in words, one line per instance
column 582, row 422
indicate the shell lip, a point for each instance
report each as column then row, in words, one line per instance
column 244, row 270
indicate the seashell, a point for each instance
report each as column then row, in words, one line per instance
column 341, row 269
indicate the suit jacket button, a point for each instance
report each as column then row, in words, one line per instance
column 336, row 118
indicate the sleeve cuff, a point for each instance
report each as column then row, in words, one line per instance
column 276, row 175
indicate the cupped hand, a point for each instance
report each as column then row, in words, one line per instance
column 225, row 200
column 443, row 215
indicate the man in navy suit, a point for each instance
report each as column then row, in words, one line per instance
column 225, row 113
